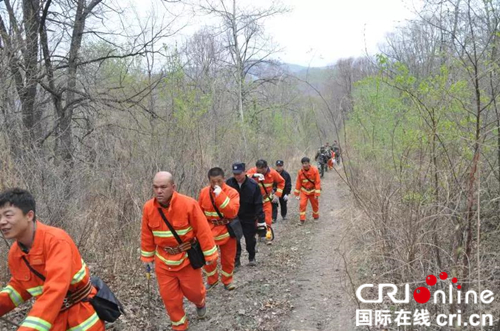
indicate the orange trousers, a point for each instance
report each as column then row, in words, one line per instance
column 268, row 212
column 174, row 285
column 303, row 205
column 227, row 258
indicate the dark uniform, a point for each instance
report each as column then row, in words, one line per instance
column 286, row 191
column 250, row 212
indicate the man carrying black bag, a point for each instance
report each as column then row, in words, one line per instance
column 251, row 214
column 167, row 217
column 45, row 264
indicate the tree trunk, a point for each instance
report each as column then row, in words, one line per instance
column 65, row 137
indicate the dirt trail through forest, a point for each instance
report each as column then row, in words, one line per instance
column 296, row 285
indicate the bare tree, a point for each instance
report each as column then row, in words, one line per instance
column 245, row 41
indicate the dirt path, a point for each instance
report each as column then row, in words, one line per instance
column 321, row 304
column 294, row 287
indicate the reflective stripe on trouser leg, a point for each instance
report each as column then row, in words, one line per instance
column 228, row 253
column 171, row 294
column 303, row 206
column 315, row 206
column 192, row 285
column 268, row 211
column 210, row 270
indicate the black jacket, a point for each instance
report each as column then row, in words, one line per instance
column 250, row 200
column 288, row 182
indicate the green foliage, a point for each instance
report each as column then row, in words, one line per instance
column 398, row 120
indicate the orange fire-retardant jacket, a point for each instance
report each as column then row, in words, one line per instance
column 228, row 203
column 185, row 215
column 271, row 177
column 55, row 256
column 304, row 185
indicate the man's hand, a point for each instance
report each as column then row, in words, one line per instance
column 261, row 226
column 150, row 267
column 217, row 190
column 297, row 197
column 285, row 197
column 276, row 200
column 259, row 177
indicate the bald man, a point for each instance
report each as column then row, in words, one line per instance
column 176, row 277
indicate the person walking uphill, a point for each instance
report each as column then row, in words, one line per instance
column 308, row 185
column 251, row 214
column 286, row 192
column 175, row 274
column 45, row 264
column 220, row 204
column 267, row 178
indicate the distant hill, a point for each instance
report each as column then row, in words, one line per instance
column 314, row 75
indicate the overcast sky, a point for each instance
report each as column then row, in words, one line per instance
column 319, row 32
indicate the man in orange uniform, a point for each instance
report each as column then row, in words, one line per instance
column 220, row 204
column 176, row 277
column 53, row 255
column 309, row 186
column 266, row 178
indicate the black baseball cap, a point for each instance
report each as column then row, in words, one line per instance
column 280, row 163
column 238, row 168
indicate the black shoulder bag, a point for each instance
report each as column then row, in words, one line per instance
column 195, row 253
column 234, row 227
column 105, row 303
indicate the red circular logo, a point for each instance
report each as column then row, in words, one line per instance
column 431, row 280
column 421, row 295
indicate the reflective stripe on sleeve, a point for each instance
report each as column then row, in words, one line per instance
column 36, row 323
column 225, row 203
column 147, row 254
column 35, row 291
column 79, row 275
column 16, row 298
column 210, row 251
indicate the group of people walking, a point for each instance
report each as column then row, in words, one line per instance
column 177, row 232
